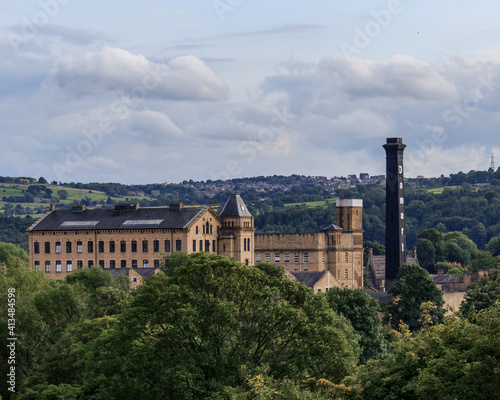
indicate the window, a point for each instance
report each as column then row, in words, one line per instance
column 134, row 280
column 37, row 265
column 306, row 257
column 123, row 246
column 268, row 257
column 346, row 257
column 223, row 247
column 91, row 263
column 167, row 246
column 79, row 247
column 214, row 247
column 36, row 248
column 346, row 274
column 201, row 245
column 203, row 229
column 306, row 269
column 90, row 247
column 319, row 290
column 58, row 266
column 296, row 257
column 101, row 246
column 244, row 245
column 68, row 247
column 196, row 230
column 207, row 246
column 58, row 247
column 248, row 244
column 134, row 246
column 323, row 257
column 112, row 246
column 246, row 261
column 79, row 264
column 156, row 263
column 276, row 257
column 112, row 264
column 145, row 264
column 144, row 246
column 156, row 246
column 134, row 263
column 194, row 246
column 286, row 257
column 257, row 257
column 47, row 247
column 123, row 263
column 101, row 263
column 210, row 229
column 178, row 245
column 47, row 266
column 69, row 266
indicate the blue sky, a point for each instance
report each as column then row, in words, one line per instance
column 155, row 91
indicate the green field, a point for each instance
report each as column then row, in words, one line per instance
column 311, row 204
column 74, row 195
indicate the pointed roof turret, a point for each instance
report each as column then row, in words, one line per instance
column 235, row 207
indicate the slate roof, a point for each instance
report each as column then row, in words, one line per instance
column 381, row 297
column 146, row 272
column 111, row 219
column 379, row 265
column 235, row 207
column 309, row 278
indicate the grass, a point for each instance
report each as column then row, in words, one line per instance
column 74, row 195
column 311, row 204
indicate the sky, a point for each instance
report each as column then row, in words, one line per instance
column 164, row 91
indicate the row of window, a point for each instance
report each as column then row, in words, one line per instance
column 286, row 257
column 207, row 246
column 296, row 257
column 112, row 245
column 207, row 229
column 79, row 264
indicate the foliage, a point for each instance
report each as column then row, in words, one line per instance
column 362, row 311
column 482, row 294
column 203, row 332
column 493, row 246
column 454, row 360
column 414, row 287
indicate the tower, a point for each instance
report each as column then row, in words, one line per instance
column 237, row 231
column 395, row 229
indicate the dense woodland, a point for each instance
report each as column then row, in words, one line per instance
column 207, row 327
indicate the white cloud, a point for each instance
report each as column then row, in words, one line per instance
column 399, row 76
column 117, row 70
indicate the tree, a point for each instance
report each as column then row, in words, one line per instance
column 42, row 180
column 493, row 246
column 426, row 252
column 362, row 311
column 482, row 294
column 454, row 360
column 210, row 326
column 63, row 194
column 414, row 287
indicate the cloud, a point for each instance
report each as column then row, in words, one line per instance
column 399, row 76
column 117, row 70
column 153, row 127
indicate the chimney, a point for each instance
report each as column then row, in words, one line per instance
column 176, row 206
column 77, row 208
column 52, row 207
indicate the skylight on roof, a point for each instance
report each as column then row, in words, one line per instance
column 78, row 224
column 134, row 222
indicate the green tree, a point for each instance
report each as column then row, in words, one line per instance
column 426, row 252
column 482, row 294
column 63, row 194
column 210, row 326
column 454, row 360
column 414, row 287
column 362, row 311
column 493, row 246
